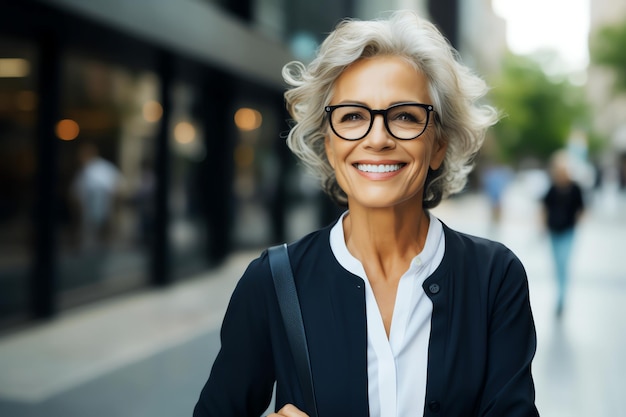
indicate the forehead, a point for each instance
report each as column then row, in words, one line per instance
column 381, row 80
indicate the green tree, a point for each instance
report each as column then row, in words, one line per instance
column 539, row 111
column 607, row 48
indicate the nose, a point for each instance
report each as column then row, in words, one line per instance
column 379, row 137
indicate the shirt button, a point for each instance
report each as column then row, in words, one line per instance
column 417, row 262
column 434, row 288
column 434, row 406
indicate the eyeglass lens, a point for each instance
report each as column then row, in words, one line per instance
column 403, row 122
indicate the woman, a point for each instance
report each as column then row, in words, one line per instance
column 403, row 315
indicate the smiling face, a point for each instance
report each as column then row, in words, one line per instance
column 380, row 171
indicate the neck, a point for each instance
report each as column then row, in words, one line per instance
column 386, row 233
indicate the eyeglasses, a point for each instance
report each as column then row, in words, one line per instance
column 404, row 121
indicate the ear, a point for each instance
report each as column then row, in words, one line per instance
column 439, row 152
column 330, row 153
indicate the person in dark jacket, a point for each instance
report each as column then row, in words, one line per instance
column 563, row 207
column 403, row 316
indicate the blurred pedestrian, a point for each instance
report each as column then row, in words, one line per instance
column 563, row 206
column 495, row 179
column 95, row 188
column 403, row 315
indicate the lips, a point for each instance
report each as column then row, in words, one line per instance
column 378, row 168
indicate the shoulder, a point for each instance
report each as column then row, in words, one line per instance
column 467, row 245
column 578, row 190
column 310, row 248
column 549, row 193
column 486, row 259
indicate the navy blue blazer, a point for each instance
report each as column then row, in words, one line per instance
column 481, row 345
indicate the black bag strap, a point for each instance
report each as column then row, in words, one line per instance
column 292, row 318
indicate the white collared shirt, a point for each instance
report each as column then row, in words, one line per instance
column 396, row 366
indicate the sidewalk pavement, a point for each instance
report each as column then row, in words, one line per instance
column 148, row 354
column 82, row 345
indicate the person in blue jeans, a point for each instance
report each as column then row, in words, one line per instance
column 564, row 205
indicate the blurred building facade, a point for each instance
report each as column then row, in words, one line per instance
column 482, row 40
column 142, row 142
column 609, row 108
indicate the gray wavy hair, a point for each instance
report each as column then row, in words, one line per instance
column 461, row 120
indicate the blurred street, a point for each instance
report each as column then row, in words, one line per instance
column 149, row 353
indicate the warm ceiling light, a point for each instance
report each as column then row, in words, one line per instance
column 152, row 111
column 14, row 67
column 184, row 132
column 248, row 119
column 67, row 129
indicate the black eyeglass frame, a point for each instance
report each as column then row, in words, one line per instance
column 383, row 112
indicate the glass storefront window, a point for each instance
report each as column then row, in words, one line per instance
column 256, row 174
column 18, row 115
column 187, row 229
column 109, row 119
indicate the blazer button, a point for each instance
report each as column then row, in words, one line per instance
column 434, row 406
column 434, row 288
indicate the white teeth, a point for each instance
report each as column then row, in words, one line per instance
column 378, row 168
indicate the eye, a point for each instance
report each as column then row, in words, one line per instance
column 351, row 115
column 406, row 117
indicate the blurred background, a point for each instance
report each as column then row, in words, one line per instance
column 143, row 165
